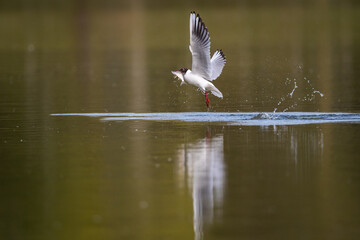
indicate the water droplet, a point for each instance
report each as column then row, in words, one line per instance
column 321, row 94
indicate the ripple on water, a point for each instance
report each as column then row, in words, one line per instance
column 253, row 118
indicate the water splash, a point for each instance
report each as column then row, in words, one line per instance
column 264, row 116
column 292, row 92
column 289, row 95
column 313, row 91
column 321, row 94
column 308, row 97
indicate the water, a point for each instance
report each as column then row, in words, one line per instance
column 97, row 141
column 309, row 95
column 252, row 119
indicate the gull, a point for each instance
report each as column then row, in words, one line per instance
column 204, row 70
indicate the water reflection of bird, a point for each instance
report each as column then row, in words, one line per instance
column 204, row 70
column 202, row 165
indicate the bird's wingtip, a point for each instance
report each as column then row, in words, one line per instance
column 222, row 54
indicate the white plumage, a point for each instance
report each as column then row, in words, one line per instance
column 204, row 69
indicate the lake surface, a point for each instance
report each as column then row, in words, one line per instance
column 98, row 141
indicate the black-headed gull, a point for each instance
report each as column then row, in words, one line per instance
column 204, row 70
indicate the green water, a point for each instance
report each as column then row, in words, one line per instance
column 80, row 178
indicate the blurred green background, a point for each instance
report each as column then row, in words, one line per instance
column 117, row 55
column 79, row 178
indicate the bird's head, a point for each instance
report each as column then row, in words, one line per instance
column 180, row 74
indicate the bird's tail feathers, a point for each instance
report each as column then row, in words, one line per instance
column 216, row 92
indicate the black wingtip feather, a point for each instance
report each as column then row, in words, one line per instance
column 222, row 54
column 199, row 28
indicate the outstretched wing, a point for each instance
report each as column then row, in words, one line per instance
column 199, row 47
column 217, row 62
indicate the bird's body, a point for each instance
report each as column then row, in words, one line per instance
column 201, row 83
column 204, row 70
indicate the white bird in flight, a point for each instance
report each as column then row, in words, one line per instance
column 204, row 70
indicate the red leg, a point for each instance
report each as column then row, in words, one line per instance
column 207, row 101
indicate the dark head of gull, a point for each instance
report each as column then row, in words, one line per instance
column 183, row 70
column 179, row 74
